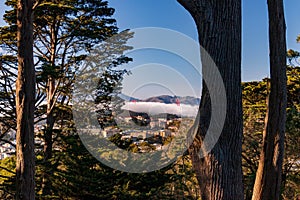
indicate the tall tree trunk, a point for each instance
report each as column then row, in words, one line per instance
column 50, row 120
column 268, row 176
column 51, row 91
column 219, row 28
column 25, row 100
column 48, row 138
column 48, row 133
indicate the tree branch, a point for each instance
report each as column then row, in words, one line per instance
column 7, row 170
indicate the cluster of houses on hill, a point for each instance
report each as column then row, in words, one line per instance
column 153, row 131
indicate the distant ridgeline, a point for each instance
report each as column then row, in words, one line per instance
column 167, row 99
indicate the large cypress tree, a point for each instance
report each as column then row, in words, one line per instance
column 219, row 30
column 25, row 95
column 64, row 33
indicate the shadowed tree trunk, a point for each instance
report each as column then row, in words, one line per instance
column 25, row 100
column 51, row 90
column 219, row 28
column 268, row 176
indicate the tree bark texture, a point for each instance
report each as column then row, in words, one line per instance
column 25, row 103
column 219, row 29
column 268, row 177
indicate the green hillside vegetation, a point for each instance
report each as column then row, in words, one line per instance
column 77, row 175
column 67, row 34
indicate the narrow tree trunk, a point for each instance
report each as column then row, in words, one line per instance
column 25, row 99
column 50, row 120
column 48, row 139
column 268, row 176
column 51, row 90
column 219, row 28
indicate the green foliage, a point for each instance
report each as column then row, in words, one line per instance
column 293, row 56
column 123, row 144
column 75, row 28
column 65, row 32
column 254, row 103
column 291, row 175
column 7, row 99
column 78, row 175
column 7, row 177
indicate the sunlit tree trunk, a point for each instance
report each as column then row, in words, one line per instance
column 25, row 103
column 219, row 29
column 268, row 176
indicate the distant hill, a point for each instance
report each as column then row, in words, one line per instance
column 127, row 98
column 162, row 99
column 190, row 100
column 167, row 99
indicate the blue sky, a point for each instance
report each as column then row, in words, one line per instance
column 169, row 14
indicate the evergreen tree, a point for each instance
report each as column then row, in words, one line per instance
column 254, row 103
column 65, row 32
column 25, row 96
column 219, row 30
column 269, row 173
